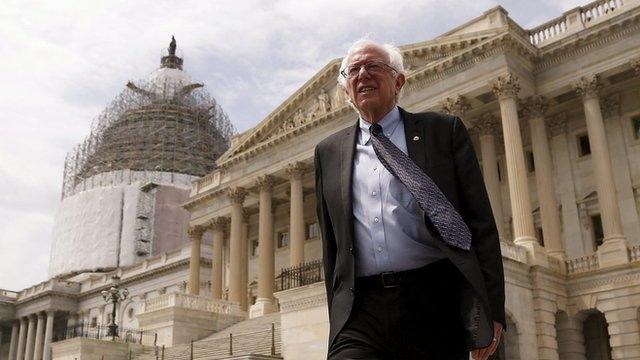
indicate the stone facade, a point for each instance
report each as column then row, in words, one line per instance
column 554, row 113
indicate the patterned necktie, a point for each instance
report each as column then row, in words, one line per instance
column 442, row 214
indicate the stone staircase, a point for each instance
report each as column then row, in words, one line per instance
column 250, row 337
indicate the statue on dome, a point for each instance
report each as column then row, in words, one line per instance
column 172, row 46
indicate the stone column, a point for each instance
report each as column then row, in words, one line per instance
column 456, row 106
column 266, row 262
column 195, row 232
column 22, row 339
column 506, row 89
column 486, row 127
column 37, row 354
column 245, row 259
column 236, row 195
column 549, row 211
column 13, row 346
column 218, row 226
column 31, row 338
column 48, row 335
column 614, row 249
column 296, row 223
column 570, row 337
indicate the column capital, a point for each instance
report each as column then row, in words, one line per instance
column 486, row 124
column 611, row 105
column 536, row 106
column 265, row 182
column 456, row 106
column 40, row 315
column 635, row 64
column 588, row 86
column 296, row 169
column 558, row 124
column 196, row 232
column 237, row 194
column 50, row 312
column 506, row 86
column 219, row 223
column 245, row 215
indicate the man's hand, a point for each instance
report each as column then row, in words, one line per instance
column 484, row 353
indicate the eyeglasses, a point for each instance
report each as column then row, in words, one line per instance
column 372, row 68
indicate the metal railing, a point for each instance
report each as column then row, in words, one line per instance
column 305, row 274
column 100, row 332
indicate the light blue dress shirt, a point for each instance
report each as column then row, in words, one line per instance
column 390, row 233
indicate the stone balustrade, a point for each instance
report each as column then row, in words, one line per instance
column 7, row 295
column 599, row 8
column 548, row 30
column 582, row 264
column 191, row 302
column 634, row 253
column 514, row 252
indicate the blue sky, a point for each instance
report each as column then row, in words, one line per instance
column 62, row 62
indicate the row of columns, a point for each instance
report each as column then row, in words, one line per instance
column 31, row 337
column 506, row 89
column 238, row 232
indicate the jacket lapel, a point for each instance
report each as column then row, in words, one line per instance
column 347, row 150
column 414, row 135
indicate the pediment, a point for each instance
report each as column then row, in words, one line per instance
column 321, row 98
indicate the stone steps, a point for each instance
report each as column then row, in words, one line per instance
column 249, row 337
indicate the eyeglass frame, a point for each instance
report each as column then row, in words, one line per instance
column 346, row 75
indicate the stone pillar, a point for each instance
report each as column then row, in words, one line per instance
column 31, row 338
column 195, row 232
column 266, row 262
column 13, row 346
column 544, row 312
column 37, row 354
column 296, row 223
column 506, row 89
column 245, row 260
column 48, row 335
column 570, row 337
column 22, row 339
column 486, row 127
column 218, row 226
column 624, row 338
column 236, row 195
column 549, row 211
column 614, row 249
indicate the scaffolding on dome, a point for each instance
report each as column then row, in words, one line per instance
column 168, row 127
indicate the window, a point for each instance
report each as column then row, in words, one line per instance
column 94, row 321
column 312, row 230
column 283, row 239
column 254, row 247
column 584, row 148
column 635, row 122
column 598, row 234
column 531, row 166
column 540, row 236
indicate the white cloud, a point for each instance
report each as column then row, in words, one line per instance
column 61, row 62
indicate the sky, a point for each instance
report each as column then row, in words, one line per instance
column 62, row 62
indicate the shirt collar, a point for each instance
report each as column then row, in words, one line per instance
column 389, row 124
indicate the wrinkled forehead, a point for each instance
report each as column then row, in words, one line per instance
column 368, row 52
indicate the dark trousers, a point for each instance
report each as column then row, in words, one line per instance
column 419, row 319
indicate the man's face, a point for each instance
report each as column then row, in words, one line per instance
column 373, row 94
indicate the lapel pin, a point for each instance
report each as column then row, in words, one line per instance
column 416, row 138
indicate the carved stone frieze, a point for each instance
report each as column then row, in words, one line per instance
column 557, row 124
column 486, row 124
column 505, row 87
column 536, row 106
column 588, row 86
column 237, row 194
column 456, row 106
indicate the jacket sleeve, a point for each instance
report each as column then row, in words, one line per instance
column 477, row 213
column 326, row 232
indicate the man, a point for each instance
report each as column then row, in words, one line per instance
column 412, row 259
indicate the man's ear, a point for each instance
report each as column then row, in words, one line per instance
column 400, row 80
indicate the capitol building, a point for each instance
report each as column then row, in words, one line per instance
column 215, row 238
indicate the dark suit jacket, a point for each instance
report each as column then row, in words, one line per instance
column 444, row 151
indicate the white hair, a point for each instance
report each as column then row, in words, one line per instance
column 395, row 57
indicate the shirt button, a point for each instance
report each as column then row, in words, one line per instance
column 379, row 248
column 376, row 220
column 373, row 193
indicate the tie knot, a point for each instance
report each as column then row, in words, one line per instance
column 375, row 130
